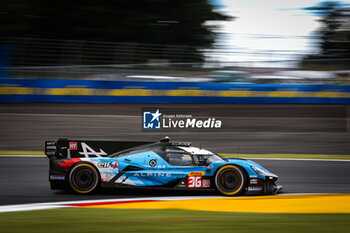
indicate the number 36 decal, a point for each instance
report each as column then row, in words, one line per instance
column 194, row 182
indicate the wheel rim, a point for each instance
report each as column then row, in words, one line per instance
column 83, row 179
column 230, row 181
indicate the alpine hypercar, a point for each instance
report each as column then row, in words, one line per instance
column 85, row 166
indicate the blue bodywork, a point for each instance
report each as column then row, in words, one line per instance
column 175, row 165
column 163, row 173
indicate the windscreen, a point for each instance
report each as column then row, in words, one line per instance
column 190, row 156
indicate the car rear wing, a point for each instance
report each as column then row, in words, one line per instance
column 65, row 148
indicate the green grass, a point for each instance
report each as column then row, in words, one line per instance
column 227, row 155
column 85, row 220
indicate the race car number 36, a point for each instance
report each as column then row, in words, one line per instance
column 194, row 182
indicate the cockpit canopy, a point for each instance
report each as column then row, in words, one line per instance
column 176, row 153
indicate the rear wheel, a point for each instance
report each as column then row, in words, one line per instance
column 230, row 180
column 83, row 178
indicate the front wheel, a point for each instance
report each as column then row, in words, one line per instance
column 230, row 180
column 83, row 178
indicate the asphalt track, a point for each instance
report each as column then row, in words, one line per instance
column 25, row 180
column 247, row 129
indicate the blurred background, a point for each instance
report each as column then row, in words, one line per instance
column 221, row 40
column 277, row 71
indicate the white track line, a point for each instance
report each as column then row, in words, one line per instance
column 63, row 204
column 27, row 207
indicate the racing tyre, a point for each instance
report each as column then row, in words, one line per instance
column 84, row 178
column 230, row 180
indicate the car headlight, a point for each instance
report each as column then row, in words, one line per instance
column 259, row 171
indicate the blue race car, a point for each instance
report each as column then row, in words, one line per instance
column 85, row 166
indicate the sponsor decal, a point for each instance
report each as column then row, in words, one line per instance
column 196, row 174
column 50, row 152
column 180, row 144
column 52, row 177
column 153, row 162
column 155, row 174
column 50, row 145
column 151, row 119
column 89, row 152
column 254, row 188
column 194, row 182
column 113, row 164
column 182, row 184
column 174, row 151
column 50, row 148
column 253, row 181
column 73, row 145
column 205, row 183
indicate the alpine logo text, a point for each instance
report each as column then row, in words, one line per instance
column 153, row 174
